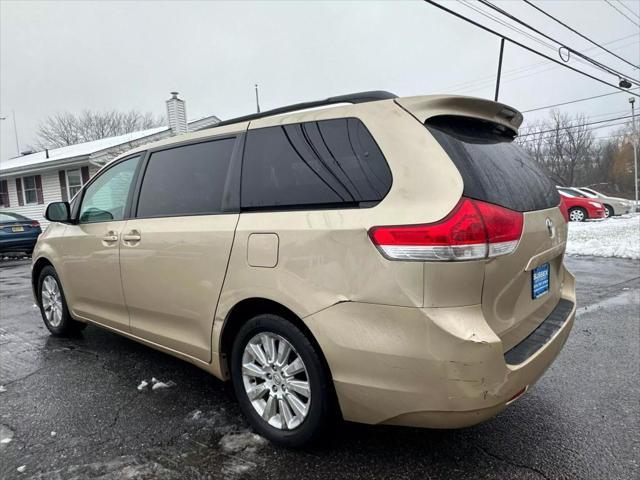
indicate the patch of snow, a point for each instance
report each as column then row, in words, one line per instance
column 238, row 442
column 236, row 468
column 6, row 434
column 614, row 237
column 157, row 385
column 120, row 468
column 53, row 434
column 3, row 388
column 143, row 385
column 21, row 468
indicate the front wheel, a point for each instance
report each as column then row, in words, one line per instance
column 280, row 381
column 577, row 215
column 53, row 305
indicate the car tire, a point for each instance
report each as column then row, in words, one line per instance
column 275, row 394
column 53, row 305
column 577, row 214
column 608, row 211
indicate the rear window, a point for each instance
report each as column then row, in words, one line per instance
column 494, row 169
column 324, row 164
column 12, row 217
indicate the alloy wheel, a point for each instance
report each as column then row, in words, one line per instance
column 276, row 381
column 51, row 299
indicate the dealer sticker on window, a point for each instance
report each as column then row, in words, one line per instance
column 540, row 281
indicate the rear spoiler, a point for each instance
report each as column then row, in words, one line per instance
column 425, row 107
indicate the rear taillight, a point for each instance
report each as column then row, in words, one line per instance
column 35, row 223
column 472, row 231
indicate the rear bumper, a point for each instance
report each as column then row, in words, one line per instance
column 427, row 367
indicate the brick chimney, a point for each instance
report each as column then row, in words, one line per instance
column 177, row 114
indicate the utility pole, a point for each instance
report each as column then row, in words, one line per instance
column 632, row 101
column 499, row 69
column 257, row 100
column 15, row 131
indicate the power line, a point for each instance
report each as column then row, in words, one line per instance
column 597, row 64
column 576, row 125
column 468, row 4
column 512, row 79
column 574, row 101
column 578, row 33
column 611, row 136
column 628, row 9
column 521, row 45
column 480, row 82
column 563, row 129
column 622, row 13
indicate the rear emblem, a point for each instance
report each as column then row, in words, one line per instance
column 550, row 227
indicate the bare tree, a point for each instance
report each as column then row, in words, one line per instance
column 562, row 144
column 62, row 129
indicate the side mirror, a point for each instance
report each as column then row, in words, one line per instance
column 58, row 212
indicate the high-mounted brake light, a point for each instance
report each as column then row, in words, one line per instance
column 473, row 230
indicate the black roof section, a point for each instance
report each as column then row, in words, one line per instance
column 360, row 97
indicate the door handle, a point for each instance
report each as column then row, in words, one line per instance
column 110, row 237
column 132, row 237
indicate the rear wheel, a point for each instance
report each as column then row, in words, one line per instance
column 280, row 381
column 608, row 211
column 53, row 305
column 577, row 215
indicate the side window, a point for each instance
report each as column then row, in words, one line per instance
column 106, row 198
column 187, row 180
column 332, row 163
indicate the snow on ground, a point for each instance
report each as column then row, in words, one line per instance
column 237, row 442
column 6, row 434
column 155, row 384
column 612, row 237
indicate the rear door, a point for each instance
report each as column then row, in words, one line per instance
column 522, row 288
column 175, row 249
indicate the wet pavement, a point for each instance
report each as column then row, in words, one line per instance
column 70, row 408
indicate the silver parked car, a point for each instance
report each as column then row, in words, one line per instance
column 612, row 205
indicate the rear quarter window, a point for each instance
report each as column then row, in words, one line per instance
column 493, row 168
column 324, row 164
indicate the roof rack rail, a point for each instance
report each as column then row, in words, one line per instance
column 360, row 97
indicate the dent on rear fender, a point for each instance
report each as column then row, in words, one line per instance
column 384, row 345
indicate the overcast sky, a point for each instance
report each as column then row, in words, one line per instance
column 57, row 56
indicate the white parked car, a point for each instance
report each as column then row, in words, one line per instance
column 613, row 205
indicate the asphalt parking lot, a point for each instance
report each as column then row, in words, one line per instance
column 70, row 408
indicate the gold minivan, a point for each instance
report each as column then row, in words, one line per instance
column 379, row 259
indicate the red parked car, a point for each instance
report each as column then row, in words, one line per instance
column 578, row 209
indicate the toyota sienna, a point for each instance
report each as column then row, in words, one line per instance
column 379, row 259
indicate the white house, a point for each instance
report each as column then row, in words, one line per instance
column 29, row 182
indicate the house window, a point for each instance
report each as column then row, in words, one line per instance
column 29, row 189
column 4, row 194
column 74, row 182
